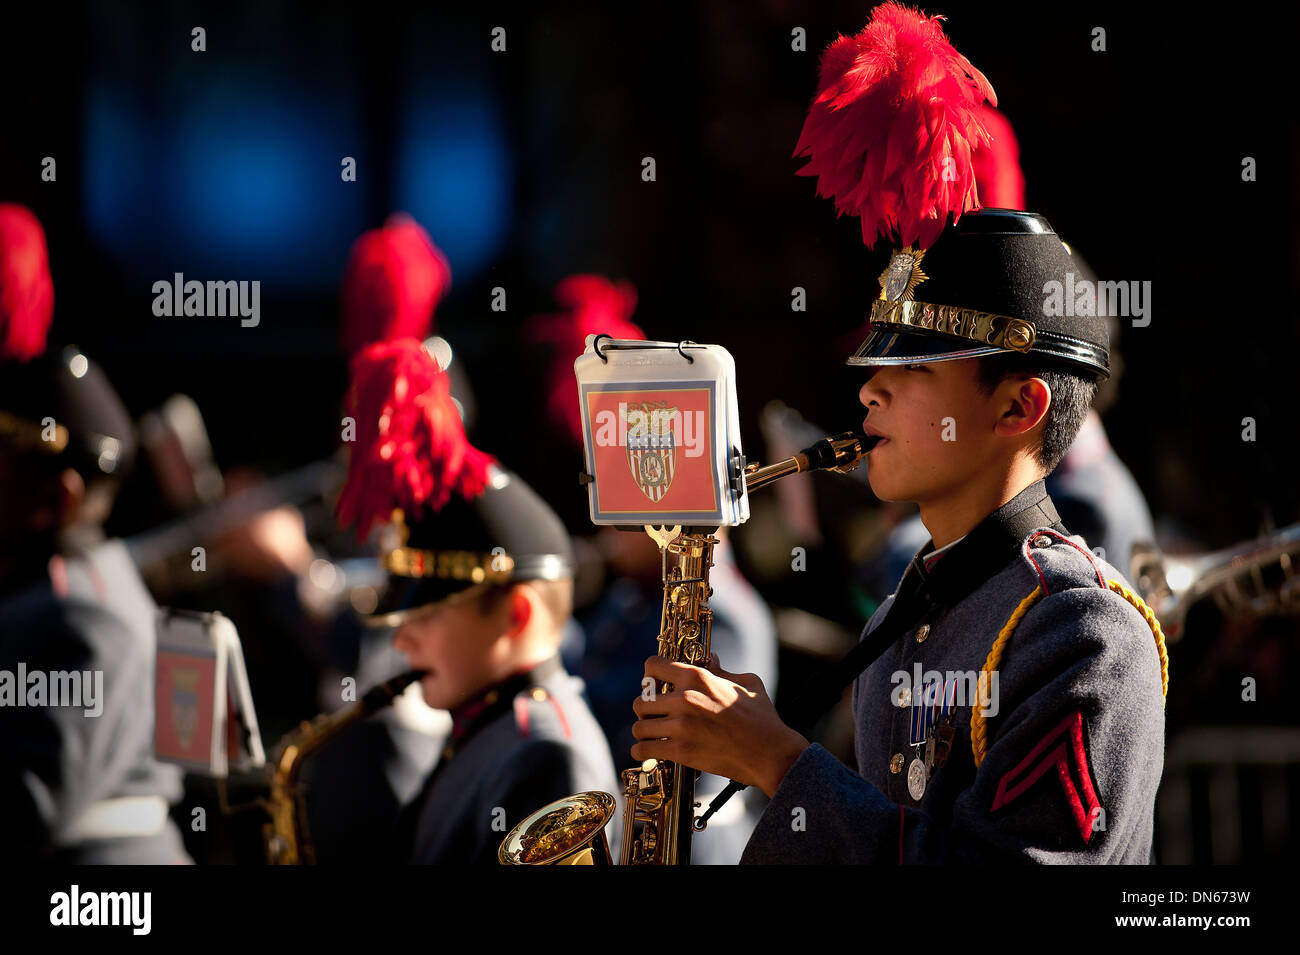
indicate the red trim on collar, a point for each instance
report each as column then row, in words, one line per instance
column 463, row 715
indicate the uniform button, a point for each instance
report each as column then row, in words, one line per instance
column 905, row 698
column 1042, row 540
column 922, row 632
column 896, row 763
column 490, row 698
column 539, row 694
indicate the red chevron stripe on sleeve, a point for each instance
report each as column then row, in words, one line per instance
column 1061, row 749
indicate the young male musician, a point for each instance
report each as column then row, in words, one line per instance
column 479, row 588
column 1014, row 708
column 78, row 779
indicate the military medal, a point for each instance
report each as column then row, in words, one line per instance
column 918, row 770
column 916, row 779
column 932, row 732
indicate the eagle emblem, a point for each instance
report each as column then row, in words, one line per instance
column 902, row 275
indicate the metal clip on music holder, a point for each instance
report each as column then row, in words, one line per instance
column 629, row 346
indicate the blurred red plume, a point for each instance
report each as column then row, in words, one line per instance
column 593, row 305
column 889, row 134
column 410, row 450
column 26, row 289
column 395, row 277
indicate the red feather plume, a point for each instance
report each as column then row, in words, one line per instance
column 592, row 306
column 410, row 451
column 26, row 289
column 890, row 132
column 394, row 279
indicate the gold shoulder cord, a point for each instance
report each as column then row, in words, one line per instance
column 978, row 724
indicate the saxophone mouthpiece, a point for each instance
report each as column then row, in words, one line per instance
column 839, row 451
column 383, row 694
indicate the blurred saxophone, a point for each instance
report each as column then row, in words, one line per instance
column 659, row 796
column 287, row 839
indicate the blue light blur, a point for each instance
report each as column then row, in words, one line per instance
column 454, row 175
column 237, row 180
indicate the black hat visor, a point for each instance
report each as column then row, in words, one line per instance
column 887, row 346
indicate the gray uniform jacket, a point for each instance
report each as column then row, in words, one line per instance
column 1075, row 720
column 523, row 744
column 75, row 787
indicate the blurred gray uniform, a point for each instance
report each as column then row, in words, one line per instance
column 1075, row 723
column 77, row 788
column 516, row 747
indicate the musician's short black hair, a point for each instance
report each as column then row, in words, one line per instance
column 1072, row 395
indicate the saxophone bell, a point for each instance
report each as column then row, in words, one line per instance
column 569, row 831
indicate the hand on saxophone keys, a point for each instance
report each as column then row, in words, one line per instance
column 716, row 722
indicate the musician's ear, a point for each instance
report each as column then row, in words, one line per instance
column 521, row 610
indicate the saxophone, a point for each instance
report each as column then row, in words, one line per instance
column 659, row 797
column 287, row 839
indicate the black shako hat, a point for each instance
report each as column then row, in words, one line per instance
column 996, row 281
column 890, row 133
column 505, row 535
column 62, row 404
column 455, row 518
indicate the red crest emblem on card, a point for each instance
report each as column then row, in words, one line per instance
column 651, row 448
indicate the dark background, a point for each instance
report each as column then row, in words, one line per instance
column 525, row 167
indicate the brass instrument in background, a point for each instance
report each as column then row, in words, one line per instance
column 288, row 841
column 659, row 797
column 1253, row 579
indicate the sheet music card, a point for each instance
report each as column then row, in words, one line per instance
column 661, row 434
column 204, row 719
